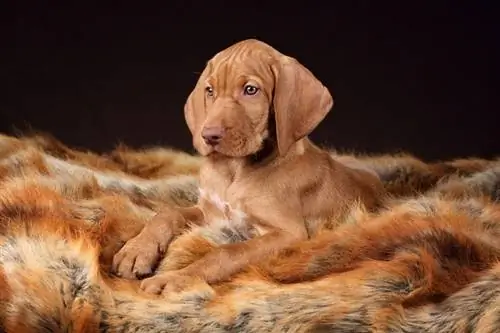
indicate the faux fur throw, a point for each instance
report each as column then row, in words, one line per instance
column 426, row 262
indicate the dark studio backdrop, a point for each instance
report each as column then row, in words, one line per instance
column 415, row 76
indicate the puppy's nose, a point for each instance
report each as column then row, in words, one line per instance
column 212, row 135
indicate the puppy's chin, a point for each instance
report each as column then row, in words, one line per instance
column 213, row 151
column 249, row 149
column 220, row 151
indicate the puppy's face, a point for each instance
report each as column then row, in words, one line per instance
column 229, row 109
column 238, row 96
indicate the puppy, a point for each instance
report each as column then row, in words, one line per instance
column 249, row 115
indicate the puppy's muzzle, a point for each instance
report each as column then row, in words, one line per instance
column 212, row 135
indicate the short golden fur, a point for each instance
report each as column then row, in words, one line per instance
column 424, row 263
column 263, row 170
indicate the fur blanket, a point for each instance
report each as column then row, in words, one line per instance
column 426, row 262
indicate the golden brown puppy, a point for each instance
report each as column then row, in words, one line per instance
column 250, row 114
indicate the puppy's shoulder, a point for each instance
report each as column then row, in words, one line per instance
column 350, row 176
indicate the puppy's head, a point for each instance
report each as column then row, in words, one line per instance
column 229, row 109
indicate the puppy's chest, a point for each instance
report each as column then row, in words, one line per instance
column 224, row 205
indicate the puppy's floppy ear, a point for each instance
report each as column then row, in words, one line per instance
column 195, row 108
column 300, row 102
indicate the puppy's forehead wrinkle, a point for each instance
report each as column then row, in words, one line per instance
column 237, row 62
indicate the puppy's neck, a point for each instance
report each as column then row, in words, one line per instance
column 268, row 152
column 235, row 167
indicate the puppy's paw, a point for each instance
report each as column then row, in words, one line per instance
column 175, row 281
column 138, row 257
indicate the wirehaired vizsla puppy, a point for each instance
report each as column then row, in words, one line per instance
column 250, row 114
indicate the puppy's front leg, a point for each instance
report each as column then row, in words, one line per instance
column 139, row 256
column 228, row 259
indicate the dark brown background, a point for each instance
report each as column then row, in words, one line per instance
column 419, row 77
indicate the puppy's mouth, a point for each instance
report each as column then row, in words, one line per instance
column 218, row 150
column 214, row 150
column 262, row 149
column 223, row 150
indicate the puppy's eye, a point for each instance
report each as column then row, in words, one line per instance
column 209, row 91
column 250, row 90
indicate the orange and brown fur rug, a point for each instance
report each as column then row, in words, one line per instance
column 428, row 261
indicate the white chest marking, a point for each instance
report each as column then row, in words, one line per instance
column 237, row 215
